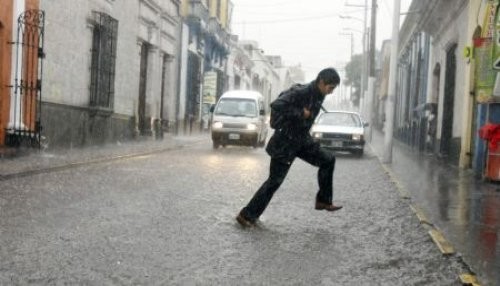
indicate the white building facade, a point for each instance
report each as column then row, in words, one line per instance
column 110, row 71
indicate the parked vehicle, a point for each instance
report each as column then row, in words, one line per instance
column 239, row 119
column 340, row 130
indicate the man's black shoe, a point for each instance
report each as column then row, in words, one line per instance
column 244, row 222
column 329, row 207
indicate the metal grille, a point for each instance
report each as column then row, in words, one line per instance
column 235, row 125
column 144, row 125
column 25, row 124
column 102, row 70
column 337, row 136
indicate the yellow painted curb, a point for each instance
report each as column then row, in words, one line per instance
column 441, row 242
column 401, row 190
column 420, row 215
column 468, row 279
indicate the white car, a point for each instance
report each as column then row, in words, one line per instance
column 340, row 130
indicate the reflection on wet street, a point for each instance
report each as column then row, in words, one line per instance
column 465, row 208
column 169, row 219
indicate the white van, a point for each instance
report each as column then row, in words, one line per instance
column 239, row 118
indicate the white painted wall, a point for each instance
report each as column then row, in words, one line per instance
column 68, row 40
column 449, row 34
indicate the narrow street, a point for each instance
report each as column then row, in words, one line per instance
column 168, row 219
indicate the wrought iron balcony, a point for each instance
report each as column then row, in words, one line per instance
column 197, row 10
column 215, row 29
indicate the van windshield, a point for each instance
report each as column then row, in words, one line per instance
column 236, row 107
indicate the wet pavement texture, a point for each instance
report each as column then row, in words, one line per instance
column 465, row 208
column 32, row 161
column 167, row 218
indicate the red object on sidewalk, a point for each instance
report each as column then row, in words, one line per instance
column 491, row 133
column 493, row 164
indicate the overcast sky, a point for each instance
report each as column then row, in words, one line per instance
column 309, row 31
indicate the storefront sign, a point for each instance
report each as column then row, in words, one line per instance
column 489, row 19
column 485, row 75
column 209, row 87
column 485, row 53
column 496, row 48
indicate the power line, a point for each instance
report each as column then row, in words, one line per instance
column 288, row 20
column 273, row 4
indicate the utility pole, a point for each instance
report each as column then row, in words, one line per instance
column 391, row 98
column 364, row 69
column 371, row 69
column 373, row 32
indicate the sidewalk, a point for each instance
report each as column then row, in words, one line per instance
column 465, row 209
column 40, row 161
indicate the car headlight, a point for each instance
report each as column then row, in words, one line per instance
column 317, row 135
column 217, row 125
column 357, row 137
column 251, row 126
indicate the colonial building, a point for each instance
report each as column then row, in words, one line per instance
column 206, row 40
column 87, row 72
column 284, row 73
column 110, row 70
column 433, row 100
column 448, row 85
column 239, row 67
column 264, row 78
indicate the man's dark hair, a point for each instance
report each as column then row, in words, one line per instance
column 329, row 76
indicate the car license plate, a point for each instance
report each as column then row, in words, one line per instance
column 234, row 136
column 336, row 144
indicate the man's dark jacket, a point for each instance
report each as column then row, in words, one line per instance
column 287, row 118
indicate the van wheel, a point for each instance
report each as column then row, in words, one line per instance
column 359, row 153
column 256, row 143
column 216, row 144
column 262, row 143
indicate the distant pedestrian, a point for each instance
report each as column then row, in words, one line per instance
column 292, row 115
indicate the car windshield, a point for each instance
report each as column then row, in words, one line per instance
column 340, row 119
column 236, row 107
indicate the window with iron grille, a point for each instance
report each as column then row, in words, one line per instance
column 102, row 70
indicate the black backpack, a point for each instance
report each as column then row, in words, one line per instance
column 276, row 118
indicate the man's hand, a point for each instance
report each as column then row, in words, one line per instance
column 306, row 112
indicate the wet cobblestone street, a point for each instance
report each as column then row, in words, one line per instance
column 168, row 219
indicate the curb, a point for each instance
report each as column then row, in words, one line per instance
column 436, row 235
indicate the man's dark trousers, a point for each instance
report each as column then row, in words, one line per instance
column 278, row 170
